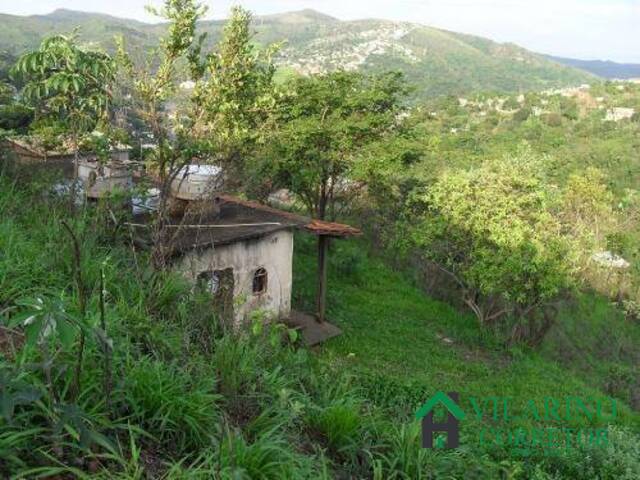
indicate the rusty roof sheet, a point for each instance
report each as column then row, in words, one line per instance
column 317, row 227
column 320, row 227
column 230, row 219
column 200, row 228
column 37, row 150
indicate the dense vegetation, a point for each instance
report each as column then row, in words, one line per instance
column 178, row 396
column 560, row 139
column 520, row 214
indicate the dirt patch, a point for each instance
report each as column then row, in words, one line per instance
column 11, row 342
column 475, row 354
column 154, row 467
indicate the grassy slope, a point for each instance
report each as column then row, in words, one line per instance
column 393, row 332
column 240, row 407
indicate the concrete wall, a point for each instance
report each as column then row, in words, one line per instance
column 100, row 180
column 273, row 252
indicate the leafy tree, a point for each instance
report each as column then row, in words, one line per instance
column 67, row 84
column 588, row 208
column 223, row 114
column 7, row 93
column 511, row 103
column 569, row 108
column 234, row 93
column 522, row 115
column 325, row 122
column 495, row 230
column 152, row 88
column 553, row 119
column 13, row 115
column 7, row 60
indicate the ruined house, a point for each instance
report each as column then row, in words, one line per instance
column 97, row 178
column 27, row 152
column 241, row 252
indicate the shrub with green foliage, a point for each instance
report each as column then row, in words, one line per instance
column 178, row 409
column 15, row 117
column 494, row 230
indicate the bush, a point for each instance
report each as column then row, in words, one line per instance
column 269, row 456
column 178, row 409
column 338, row 423
column 403, row 456
column 15, row 117
column 631, row 310
column 522, row 115
column 553, row 119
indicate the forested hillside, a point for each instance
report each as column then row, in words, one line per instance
column 435, row 61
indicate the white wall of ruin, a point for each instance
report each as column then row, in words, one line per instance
column 273, row 252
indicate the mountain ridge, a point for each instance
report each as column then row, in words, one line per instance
column 435, row 61
column 602, row 68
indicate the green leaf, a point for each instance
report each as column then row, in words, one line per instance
column 32, row 330
column 67, row 334
column 256, row 327
column 293, row 335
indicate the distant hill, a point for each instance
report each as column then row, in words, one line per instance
column 22, row 33
column 605, row 69
column 436, row 61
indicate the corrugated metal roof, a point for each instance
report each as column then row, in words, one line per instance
column 231, row 219
column 37, row 150
column 317, row 227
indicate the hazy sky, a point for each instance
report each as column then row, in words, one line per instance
column 588, row 29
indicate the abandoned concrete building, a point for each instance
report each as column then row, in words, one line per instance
column 97, row 178
column 241, row 252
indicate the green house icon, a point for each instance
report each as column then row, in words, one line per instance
column 444, row 399
column 450, row 426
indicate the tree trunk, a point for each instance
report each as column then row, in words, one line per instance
column 321, row 296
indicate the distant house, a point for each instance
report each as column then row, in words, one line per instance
column 240, row 255
column 196, row 181
column 99, row 180
column 617, row 114
column 538, row 111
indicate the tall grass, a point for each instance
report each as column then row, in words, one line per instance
column 188, row 399
column 177, row 408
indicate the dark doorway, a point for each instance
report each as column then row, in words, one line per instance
column 220, row 284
